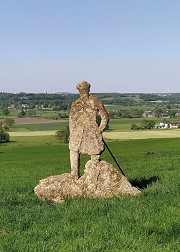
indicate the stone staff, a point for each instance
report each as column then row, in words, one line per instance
column 113, row 157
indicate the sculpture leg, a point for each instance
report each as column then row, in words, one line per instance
column 74, row 159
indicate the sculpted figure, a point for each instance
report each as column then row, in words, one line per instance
column 85, row 135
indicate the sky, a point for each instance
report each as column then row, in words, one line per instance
column 124, row 46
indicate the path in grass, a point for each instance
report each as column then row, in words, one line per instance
column 146, row 134
column 33, row 133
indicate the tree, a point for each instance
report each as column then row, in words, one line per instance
column 172, row 113
column 4, row 136
column 63, row 135
column 22, row 114
column 5, row 111
column 134, row 126
column 7, row 123
column 31, row 112
column 158, row 111
column 147, row 124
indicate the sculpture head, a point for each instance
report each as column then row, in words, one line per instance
column 83, row 87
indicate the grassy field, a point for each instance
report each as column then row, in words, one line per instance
column 48, row 114
column 120, row 129
column 141, row 134
column 111, row 107
column 149, row 222
column 124, row 124
column 114, row 125
column 40, row 127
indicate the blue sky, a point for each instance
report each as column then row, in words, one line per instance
column 116, row 45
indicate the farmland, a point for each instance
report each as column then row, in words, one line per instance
column 150, row 160
column 119, row 129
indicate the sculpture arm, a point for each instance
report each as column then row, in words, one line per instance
column 72, row 114
column 104, row 116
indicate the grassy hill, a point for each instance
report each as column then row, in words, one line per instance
column 149, row 222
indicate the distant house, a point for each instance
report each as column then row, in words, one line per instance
column 162, row 125
column 148, row 114
column 24, row 98
column 11, row 106
column 166, row 125
column 174, row 125
column 177, row 114
column 24, row 105
column 164, row 115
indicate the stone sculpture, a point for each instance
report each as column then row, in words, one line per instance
column 85, row 135
column 100, row 179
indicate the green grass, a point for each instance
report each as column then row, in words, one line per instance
column 149, row 222
column 111, row 107
column 13, row 114
column 40, row 127
column 48, row 114
column 124, row 124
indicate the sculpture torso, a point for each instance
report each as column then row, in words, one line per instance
column 85, row 135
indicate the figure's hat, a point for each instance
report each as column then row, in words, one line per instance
column 83, row 85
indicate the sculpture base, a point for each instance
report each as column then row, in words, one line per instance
column 100, row 179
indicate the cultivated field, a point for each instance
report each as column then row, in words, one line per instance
column 119, row 129
column 36, row 127
column 112, row 135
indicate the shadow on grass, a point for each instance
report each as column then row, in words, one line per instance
column 144, row 182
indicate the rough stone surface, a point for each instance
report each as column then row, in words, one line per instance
column 103, row 180
column 85, row 133
column 57, row 188
column 100, row 179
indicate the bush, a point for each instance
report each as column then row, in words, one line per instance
column 134, row 126
column 4, row 136
column 5, row 111
column 63, row 135
column 145, row 124
column 21, row 114
column 7, row 123
column 31, row 112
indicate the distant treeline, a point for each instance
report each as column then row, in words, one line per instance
column 62, row 101
column 32, row 100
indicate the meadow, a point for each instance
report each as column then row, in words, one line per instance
column 118, row 129
column 149, row 222
column 40, row 127
column 48, row 114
